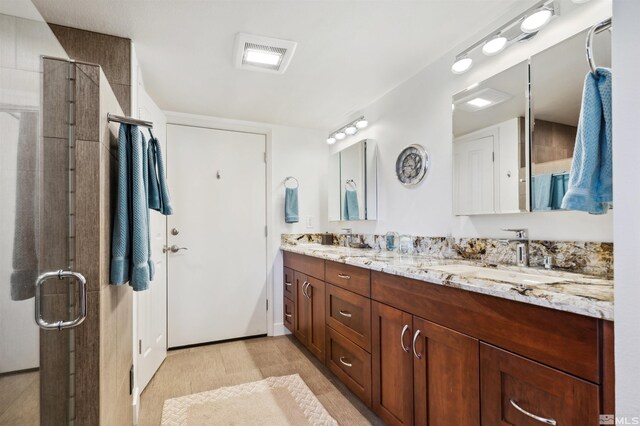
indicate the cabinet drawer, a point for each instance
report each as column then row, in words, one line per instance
column 288, row 284
column 350, row 315
column 350, row 363
column 306, row 264
column 288, row 313
column 566, row 341
column 515, row 390
column 349, row 277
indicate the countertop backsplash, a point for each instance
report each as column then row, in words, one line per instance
column 590, row 258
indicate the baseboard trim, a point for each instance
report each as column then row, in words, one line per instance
column 280, row 330
column 135, row 401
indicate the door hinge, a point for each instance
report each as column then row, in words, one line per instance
column 265, row 157
column 267, row 304
column 493, row 157
column 266, row 231
column 140, row 347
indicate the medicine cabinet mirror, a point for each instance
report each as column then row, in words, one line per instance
column 353, row 182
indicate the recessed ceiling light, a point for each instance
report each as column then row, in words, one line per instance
column 340, row 135
column 331, row 140
column 262, row 57
column 361, row 124
column 535, row 21
column 479, row 102
column 461, row 65
column 494, row 46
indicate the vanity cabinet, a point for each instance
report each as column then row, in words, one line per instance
column 423, row 373
column 421, row 353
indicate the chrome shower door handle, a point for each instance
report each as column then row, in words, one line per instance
column 62, row 324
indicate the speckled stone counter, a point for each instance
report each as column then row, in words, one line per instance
column 572, row 292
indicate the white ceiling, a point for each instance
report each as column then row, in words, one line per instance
column 349, row 52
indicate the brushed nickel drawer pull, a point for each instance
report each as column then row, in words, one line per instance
column 544, row 420
column 344, row 313
column 345, row 276
column 404, row 330
column 288, row 284
column 348, row 364
column 287, row 315
column 415, row 337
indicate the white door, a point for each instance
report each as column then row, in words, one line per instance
column 473, row 178
column 151, row 305
column 217, row 278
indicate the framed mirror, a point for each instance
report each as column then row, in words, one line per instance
column 353, row 183
column 490, row 144
column 557, row 80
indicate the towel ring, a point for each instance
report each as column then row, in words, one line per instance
column 596, row 29
column 288, row 178
column 353, row 184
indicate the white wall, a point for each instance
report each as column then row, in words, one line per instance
column 419, row 111
column 291, row 151
column 626, row 151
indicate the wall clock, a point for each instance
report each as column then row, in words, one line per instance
column 412, row 165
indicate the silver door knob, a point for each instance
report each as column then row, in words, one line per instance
column 173, row 249
column 175, row 231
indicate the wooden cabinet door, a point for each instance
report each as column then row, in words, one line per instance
column 288, row 284
column 446, row 376
column 315, row 317
column 516, row 390
column 301, row 314
column 392, row 365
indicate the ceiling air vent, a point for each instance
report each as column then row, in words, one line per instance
column 262, row 53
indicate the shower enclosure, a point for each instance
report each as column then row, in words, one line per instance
column 41, row 300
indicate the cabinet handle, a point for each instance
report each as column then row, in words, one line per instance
column 533, row 416
column 404, row 330
column 288, row 284
column 305, row 287
column 348, row 364
column 415, row 337
column 287, row 315
column 344, row 313
column 345, row 276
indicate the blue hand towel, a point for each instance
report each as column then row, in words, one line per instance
column 291, row 205
column 351, row 209
column 559, row 186
column 130, row 253
column 541, row 194
column 590, row 181
column 158, row 189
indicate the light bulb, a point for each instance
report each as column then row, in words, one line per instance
column 340, row 135
column 361, row 124
column 461, row 65
column 331, row 140
column 535, row 21
column 351, row 130
column 494, row 46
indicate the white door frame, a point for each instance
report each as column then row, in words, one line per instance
column 216, row 123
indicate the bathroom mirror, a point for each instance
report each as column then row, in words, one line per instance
column 490, row 144
column 353, row 186
column 557, row 80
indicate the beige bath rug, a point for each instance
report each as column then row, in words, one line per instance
column 273, row 401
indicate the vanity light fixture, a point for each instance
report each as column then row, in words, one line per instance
column 349, row 129
column 521, row 28
column 494, row 46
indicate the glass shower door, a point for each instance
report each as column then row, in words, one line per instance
column 37, row 162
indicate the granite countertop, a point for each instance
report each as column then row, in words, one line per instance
column 570, row 292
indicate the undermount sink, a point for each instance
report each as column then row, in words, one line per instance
column 497, row 274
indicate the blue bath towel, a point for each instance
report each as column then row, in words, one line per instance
column 590, row 181
column 158, row 189
column 541, row 193
column 351, row 209
column 130, row 251
column 559, row 186
column 291, row 205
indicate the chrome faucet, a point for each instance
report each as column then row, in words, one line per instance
column 522, row 246
column 348, row 232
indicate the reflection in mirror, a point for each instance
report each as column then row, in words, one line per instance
column 557, row 79
column 490, row 164
column 353, row 183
